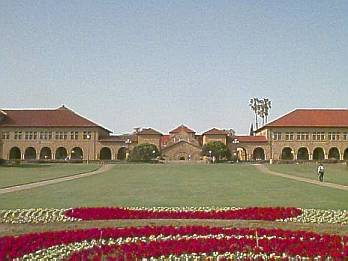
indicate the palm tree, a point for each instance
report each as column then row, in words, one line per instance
column 267, row 106
column 261, row 111
column 254, row 105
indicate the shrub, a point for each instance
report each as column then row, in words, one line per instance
column 218, row 149
column 144, row 152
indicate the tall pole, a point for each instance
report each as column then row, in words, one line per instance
column 88, row 138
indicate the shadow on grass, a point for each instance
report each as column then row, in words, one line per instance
column 26, row 166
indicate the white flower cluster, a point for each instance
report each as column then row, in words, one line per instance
column 320, row 216
column 34, row 215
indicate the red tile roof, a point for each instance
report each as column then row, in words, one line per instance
column 251, row 139
column 182, row 128
column 61, row 117
column 312, row 118
column 149, row 131
column 215, row 131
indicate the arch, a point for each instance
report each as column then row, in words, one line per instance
column 318, row 154
column 61, row 153
column 242, row 154
column 105, row 153
column 303, row 154
column 15, row 153
column 287, row 154
column 30, row 153
column 45, row 153
column 76, row 153
column 345, row 155
column 334, row 154
column 259, row 154
column 122, row 153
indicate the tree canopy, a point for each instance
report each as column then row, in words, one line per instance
column 144, row 152
column 218, row 149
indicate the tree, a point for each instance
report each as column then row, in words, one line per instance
column 267, row 106
column 230, row 132
column 251, row 132
column 261, row 109
column 144, row 152
column 254, row 105
column 217, row 149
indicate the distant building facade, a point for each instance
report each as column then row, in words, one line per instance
column 61, row 134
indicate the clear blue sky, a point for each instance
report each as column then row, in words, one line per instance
column 158, row 64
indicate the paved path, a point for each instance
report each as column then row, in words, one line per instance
column 264, row 169
column 102, row 169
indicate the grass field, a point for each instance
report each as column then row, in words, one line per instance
column 334, row 173
column 26, row 173
column 179, row 185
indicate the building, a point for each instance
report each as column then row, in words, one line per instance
column 308, row 134
column 62, row 134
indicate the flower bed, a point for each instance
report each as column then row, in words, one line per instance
column 294, row 215
column 123, row 213
column 166, row 241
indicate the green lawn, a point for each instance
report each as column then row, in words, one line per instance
column 11, row 176
column 179, row 185
column 334, row 173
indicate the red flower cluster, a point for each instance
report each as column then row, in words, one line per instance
column 290, row 242
column 122, row 213
column 293, row 245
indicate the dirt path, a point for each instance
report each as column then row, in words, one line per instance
column 102, row 169
column 264, row 169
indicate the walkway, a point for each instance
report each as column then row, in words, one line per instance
column 264, row 169
column 102, row 169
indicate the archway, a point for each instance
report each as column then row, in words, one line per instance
column 242, row 154
column 30, row 153
column 105, row 153
column 15, row 153
column 76, row 153
column 334, row 154
column 45, row 153
column 303, row 154
column 61, row 153
column 259, row 154
column 345, row 155
column 287, row 154
column 121, row 154
column 318, row 154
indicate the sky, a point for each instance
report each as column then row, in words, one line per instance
column 160, row 64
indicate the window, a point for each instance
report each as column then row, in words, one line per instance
column 277, row 135
column 5, row 135
column 289, row 136
column 18, row 135
column 302, row 136
column 345, row 135
column 333, row 135
column 61, row 135
column 87, row 135
column 44, row 135
column 30, row 135
column 74, row 135
column 318, row 136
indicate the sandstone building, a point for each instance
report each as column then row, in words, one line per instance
column 61, row 134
